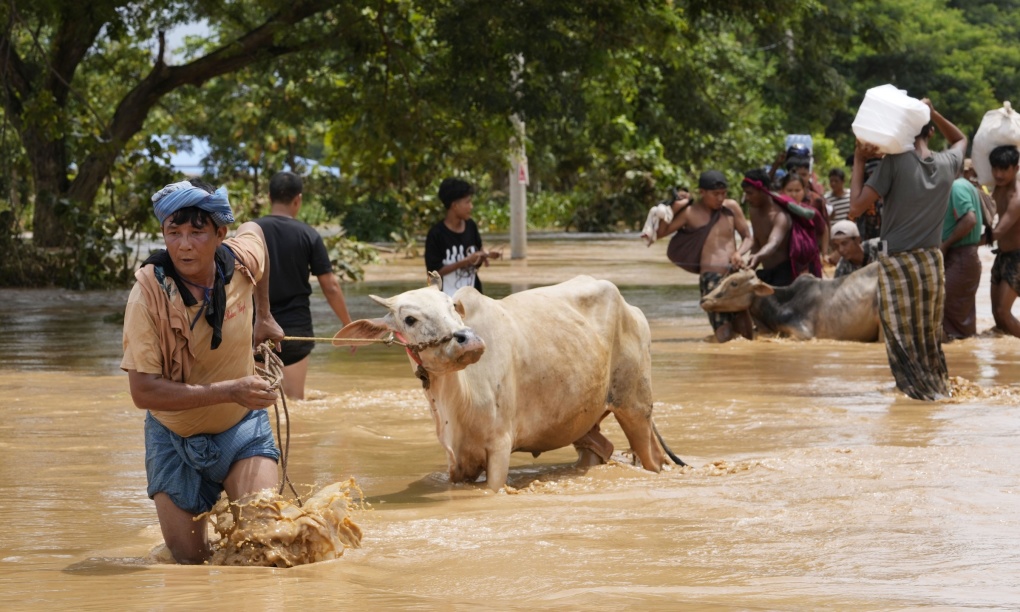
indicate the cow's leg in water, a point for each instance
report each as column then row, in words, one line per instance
column 497, row 463
column 637, row 426
column 593, row 448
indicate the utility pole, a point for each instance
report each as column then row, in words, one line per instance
column 518, row 192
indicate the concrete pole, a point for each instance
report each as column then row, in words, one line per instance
column 518, row 192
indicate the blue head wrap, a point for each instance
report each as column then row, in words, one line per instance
column 176, row 196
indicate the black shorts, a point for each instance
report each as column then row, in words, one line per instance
column 1007, row 268
column 293, row 351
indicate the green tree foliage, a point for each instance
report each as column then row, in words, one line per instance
column 623, row 99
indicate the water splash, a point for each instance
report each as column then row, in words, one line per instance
column 266, row 529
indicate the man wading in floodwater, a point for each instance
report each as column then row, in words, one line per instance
column 188, row 354
column 704, row 244
column 914, row 187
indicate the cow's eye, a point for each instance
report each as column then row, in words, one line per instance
column 409, row 321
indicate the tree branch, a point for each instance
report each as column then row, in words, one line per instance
column 254, row 46
column 75, row 35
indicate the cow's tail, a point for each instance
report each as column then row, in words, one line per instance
column 676, row 460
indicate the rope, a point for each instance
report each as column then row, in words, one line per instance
column 387, row 340
column 272, row 372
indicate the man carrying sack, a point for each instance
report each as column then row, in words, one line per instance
column 914, row 187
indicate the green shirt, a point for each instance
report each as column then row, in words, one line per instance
column 963, row 198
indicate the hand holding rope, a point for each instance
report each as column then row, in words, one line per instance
column 271, row 370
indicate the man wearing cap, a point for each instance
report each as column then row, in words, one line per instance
column 961, row 235
column 704, row 244
column 853, row 253
column 914, row 187
column 188, row 334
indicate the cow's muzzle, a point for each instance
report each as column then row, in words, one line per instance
column 466, row 347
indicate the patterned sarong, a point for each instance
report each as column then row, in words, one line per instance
column 706, row 283
column 911, row 287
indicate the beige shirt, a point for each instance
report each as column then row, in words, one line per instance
column 154, row 342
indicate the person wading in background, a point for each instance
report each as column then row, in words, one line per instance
column 295, row 250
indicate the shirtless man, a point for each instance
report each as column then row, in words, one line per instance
column 704, row 244
column 771, row 227
column 1005, row 279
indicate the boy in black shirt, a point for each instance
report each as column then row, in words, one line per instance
column 453, row 247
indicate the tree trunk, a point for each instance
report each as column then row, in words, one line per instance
column 49, row 170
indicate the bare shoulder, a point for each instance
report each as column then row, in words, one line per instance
column 684, row 209
column 734, row 207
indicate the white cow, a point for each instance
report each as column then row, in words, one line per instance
column 533, row 372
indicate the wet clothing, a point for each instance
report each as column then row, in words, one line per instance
column 214, row 299
column 817, row 203
column 1006, row 267
column 911, row 286
column 803, row 249
column 159, row 337
column 963, row 198
column 444, row 246
column 188, row 453
column 191, row 470
column 685, row 247
column 706, row 283
column 963, row 275
column 915, row 194
column 777, row 276
column 844, row 267
column 805, row 255
column 961, row 260
column 293, row 351
column 296, row 252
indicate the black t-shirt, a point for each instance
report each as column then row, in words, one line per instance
column 444, row 246
column 295, row 249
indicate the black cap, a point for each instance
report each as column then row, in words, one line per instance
column 712, row 179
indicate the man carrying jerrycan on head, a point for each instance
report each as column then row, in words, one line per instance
column 914, row 184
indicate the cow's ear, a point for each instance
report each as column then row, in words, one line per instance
column 362, row 329
column 762, row 289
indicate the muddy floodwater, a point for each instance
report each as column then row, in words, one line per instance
column 813, row 483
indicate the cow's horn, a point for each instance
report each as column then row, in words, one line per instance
column 384, row 302
column 434, row 278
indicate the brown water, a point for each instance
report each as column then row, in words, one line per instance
column 814, row 484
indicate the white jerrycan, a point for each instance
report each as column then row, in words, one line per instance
column 890, row 119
